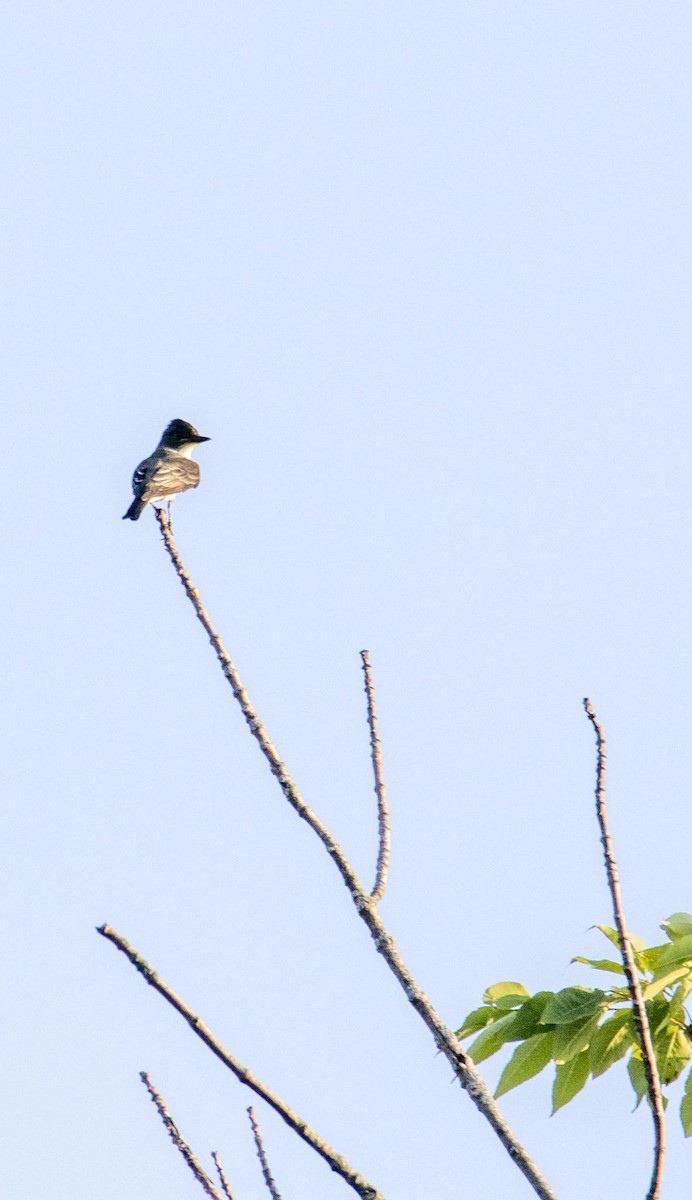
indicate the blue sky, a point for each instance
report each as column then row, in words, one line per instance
column 422, row 273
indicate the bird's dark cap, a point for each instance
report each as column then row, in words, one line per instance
column 180, row 433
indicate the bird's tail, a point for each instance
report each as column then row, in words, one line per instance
column 135, row 510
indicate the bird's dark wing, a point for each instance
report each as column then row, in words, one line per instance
column 139, row 479
column 169, row 476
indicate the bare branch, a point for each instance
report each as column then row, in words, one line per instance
column 445, row 1040
column 222, row 1178
column 337, row 1163
column 197, row 1170
column 641, row 1020
column 382, row 808
column 268, row 1177
column 255, row 725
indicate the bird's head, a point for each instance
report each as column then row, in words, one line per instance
column 181, row 435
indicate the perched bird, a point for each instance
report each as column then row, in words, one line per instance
column 167, row 471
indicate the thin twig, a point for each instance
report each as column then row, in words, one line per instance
column 268, row 1177
column 196, row 1168
column 382, row 808
column 222, row 1178
column 641, row 1019
column 336, row 1161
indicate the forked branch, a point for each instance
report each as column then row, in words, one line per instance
column 641, row 1020
column 447, row 1043
column 336, row 1161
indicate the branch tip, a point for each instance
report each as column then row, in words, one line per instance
column 382, row 806
column 261, row 1154
column 177, row 1139
column 641, row 1020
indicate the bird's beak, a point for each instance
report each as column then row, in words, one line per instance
column 199, row 438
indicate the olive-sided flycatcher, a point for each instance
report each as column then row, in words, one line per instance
column 167, row 471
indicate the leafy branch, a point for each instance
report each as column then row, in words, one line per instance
column 585, row 1031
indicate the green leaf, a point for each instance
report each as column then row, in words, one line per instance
column 652, row 955
column 658, row 1014
column 528, row 1059
column 663, row 981
column 635, row 1070
column 673, row 1051
column 620, row 994
column 686, row 1107
column 637, row 945
column 506, row 995
column 573, row 1004
column 600, row 964
column 477, row 1019
column 611, row 1042
column 677, row 954
column 612, row 936
column 570, row 1040
column 676, row 1006
column 641, row 961
column 570, row 1078
column 677, row 925
column 491, row 1039
column 528, row 1017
